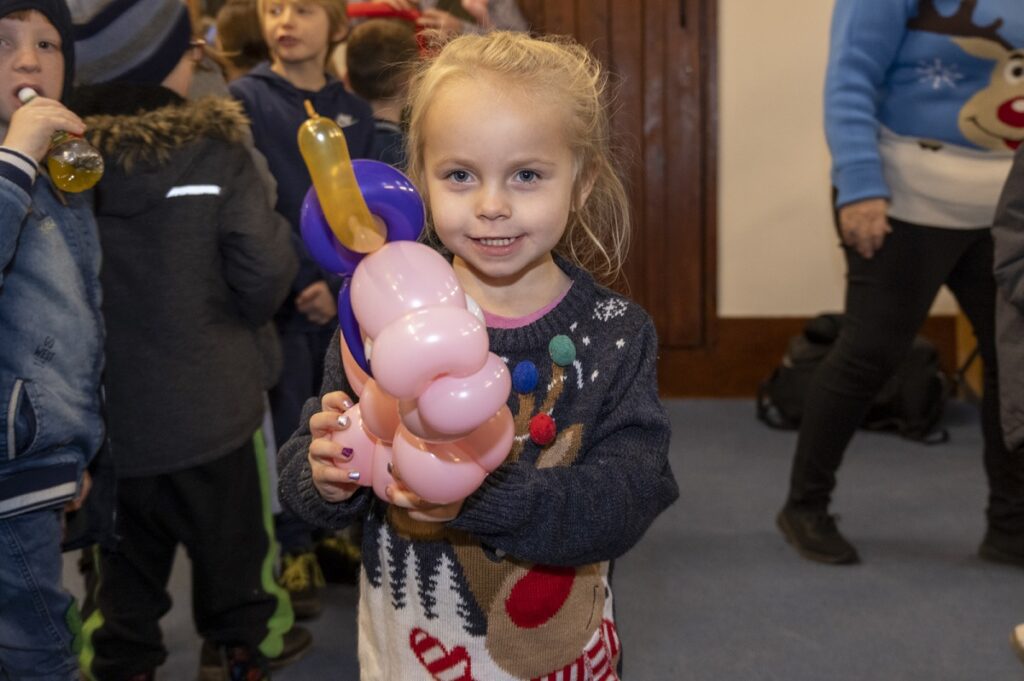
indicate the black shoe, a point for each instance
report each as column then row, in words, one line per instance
column 1001, row 547
column 302, row 579
column 231, row 663
column 297, row 642
column 815, row 536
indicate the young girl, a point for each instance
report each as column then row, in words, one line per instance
column 508, row 141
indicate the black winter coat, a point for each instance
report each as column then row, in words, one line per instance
column 195, row 261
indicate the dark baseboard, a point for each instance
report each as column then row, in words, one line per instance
column 747, row 349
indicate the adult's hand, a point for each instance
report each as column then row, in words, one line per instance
column 863, row 225
column 442, row 21
column 402, row 5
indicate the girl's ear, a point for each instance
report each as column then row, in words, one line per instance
column 584, row 186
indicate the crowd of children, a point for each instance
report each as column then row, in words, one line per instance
column 201, row 251
column 209, row 317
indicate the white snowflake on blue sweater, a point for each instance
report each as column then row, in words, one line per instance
column 938, row 75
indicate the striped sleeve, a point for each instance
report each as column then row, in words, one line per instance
column 18, row 168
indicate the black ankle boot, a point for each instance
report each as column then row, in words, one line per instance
column 813, row 533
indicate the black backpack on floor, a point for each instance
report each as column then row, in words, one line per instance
column 910, row 404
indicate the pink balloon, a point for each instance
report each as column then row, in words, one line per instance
column 380, row 412
column 455, row 406
column 425, row 344
column 356, row 376
column 382, row 457
column 358, row 445
column 398, row 278
column 490, row 444
column 439, row 472
column 409, row 412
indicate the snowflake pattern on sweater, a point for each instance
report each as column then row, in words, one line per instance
column 516, row 586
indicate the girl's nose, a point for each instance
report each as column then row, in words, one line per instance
column 492, row 204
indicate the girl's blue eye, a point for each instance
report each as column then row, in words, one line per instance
column 527, row 175
column 459, row 175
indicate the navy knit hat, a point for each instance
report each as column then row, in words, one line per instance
column 129, row 41
column 57, row 13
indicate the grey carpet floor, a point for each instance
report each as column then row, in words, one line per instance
column 712, row 593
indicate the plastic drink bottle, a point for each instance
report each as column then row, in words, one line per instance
column 74, row 164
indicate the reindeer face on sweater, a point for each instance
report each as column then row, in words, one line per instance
column 993, row 118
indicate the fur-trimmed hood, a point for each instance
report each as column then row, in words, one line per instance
column 145, row 125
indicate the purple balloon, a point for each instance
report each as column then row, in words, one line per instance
column 350, row 329
column 320, row 240
column 389, row 195
column 392, row 197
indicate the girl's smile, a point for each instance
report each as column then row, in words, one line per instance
column 500, row 177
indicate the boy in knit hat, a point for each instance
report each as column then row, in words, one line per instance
column 195, row 262
column 51, row 342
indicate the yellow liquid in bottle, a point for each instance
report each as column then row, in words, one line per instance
column 74, row 165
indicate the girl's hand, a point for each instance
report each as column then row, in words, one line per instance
column 863, row 225
column 33, row 124
column 400, row 495
column 316, row 302
column 325, row 459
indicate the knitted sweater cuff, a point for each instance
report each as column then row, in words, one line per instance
column 501, row 504
column 325, row 513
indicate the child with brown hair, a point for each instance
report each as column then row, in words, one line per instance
column 380, row 56
column 239, row 44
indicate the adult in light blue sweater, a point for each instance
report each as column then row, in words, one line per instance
column 924, row 106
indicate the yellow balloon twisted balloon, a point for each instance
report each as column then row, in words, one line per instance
column 323, row 148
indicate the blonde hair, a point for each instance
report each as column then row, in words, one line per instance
column 337, row 17
column 556, row 69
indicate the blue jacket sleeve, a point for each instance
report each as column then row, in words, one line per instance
column 14, row 206
column 865, row 38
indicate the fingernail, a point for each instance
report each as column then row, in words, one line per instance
column 347, row 404
column 354, row 475
column 347, row 452
column 344, row 422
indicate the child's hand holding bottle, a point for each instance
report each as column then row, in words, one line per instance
column 74, row 164
column 33, row 125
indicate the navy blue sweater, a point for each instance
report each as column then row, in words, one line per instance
column 546, row 522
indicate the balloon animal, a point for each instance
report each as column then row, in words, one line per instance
column 432, row 415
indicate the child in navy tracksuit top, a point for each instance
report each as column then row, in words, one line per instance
column 300, row 38
column 508, row 140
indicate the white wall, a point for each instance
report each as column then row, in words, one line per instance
column 778, row 253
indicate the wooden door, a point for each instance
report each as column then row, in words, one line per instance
column 662, row 54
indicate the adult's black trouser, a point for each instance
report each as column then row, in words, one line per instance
column 887, row 299
column 220, row 512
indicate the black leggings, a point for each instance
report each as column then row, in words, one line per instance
column 887, row 299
